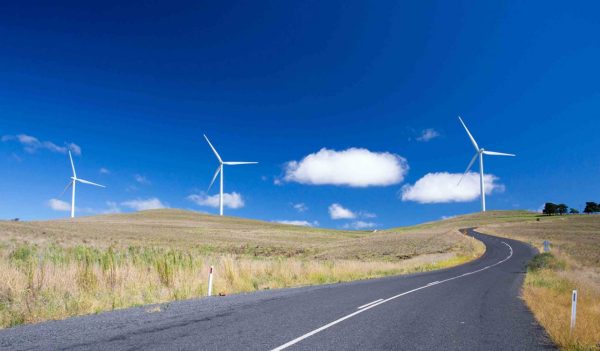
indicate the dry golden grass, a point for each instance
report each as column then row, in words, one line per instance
column 57, row 269
column 575, row 243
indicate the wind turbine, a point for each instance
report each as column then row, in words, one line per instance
column 220, row 171
column 73, row 182
column 479, row 152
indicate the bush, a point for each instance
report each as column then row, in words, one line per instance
column 545, row 260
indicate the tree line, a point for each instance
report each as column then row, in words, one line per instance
column 551, row 209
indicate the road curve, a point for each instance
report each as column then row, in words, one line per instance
column 475, row 306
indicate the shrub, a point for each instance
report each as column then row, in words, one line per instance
column 545, row 260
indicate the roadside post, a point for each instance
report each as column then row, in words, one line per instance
column 210, row 280
column 573, row 310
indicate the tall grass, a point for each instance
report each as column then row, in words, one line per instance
column 52, row 282
column 573, row 264
column 550, row 280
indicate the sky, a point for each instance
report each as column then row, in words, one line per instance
column 350, row 107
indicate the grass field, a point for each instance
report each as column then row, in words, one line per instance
column 574, row 263
column 57, row 269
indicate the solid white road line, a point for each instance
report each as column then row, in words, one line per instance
column 370, row 303
column 375, row 304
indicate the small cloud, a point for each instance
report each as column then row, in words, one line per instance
column 31, row 144
column 141, row 179
column 354, row 167
column 298, row 223
column 113, row 207
column 365, row 214
column 300, row 207
column 360, row 225
column 131, row 188
column 443, row 187
column 53, row 147
column 144, row 204
column 337, row 211
column 231, row 200
column 59, row 205
column 104, row 171
column 75, row 149
column 277, row 181
column 428, row 134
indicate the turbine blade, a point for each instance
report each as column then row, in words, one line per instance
column 214, row 177
column 494, row 153
column 468, row 168
column 470, row 136
column 90, row 183
column 213, row 149
column 72, row 164
column 66, row 188
column 239, row 163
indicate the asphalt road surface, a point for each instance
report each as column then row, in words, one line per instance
column 475, row 306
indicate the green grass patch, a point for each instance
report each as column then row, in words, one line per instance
column 546, row 260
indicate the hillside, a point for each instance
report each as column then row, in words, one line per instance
column 187, row 230
column 61, row 268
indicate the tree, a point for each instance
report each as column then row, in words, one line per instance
column 591, row 207
column 573, row 211
column 549, row 209
column 562, row 209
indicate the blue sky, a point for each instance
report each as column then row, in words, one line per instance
column 135, row 87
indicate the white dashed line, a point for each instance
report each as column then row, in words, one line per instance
column 381, row 301
column 368, row 304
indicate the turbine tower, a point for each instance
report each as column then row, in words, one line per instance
column 220, row 171
column 479, row 152
column 73, row 182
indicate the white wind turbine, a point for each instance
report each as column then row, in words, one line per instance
column 479, row 152
column 220, row 171
column 73, row 182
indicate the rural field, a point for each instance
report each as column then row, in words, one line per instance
column 56, row 269
column 574, row 263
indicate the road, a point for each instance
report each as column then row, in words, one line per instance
column 475, row 306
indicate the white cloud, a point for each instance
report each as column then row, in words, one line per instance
column 298, row 223
column 59, row 205
column 360, row 225
column 75, row 149
column 353, row 167
column 300, row 207
column 365, row 214
column 31, row 144
column 428, row 134
column 443, row 187
column 144, row 204
column 141, row 179
column 52, row 147
column 337, row 211
column 104, row 170
column 231, row 200
column 113, row 207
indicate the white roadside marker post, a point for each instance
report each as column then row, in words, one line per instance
column 210, row 281
column 573, row 310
